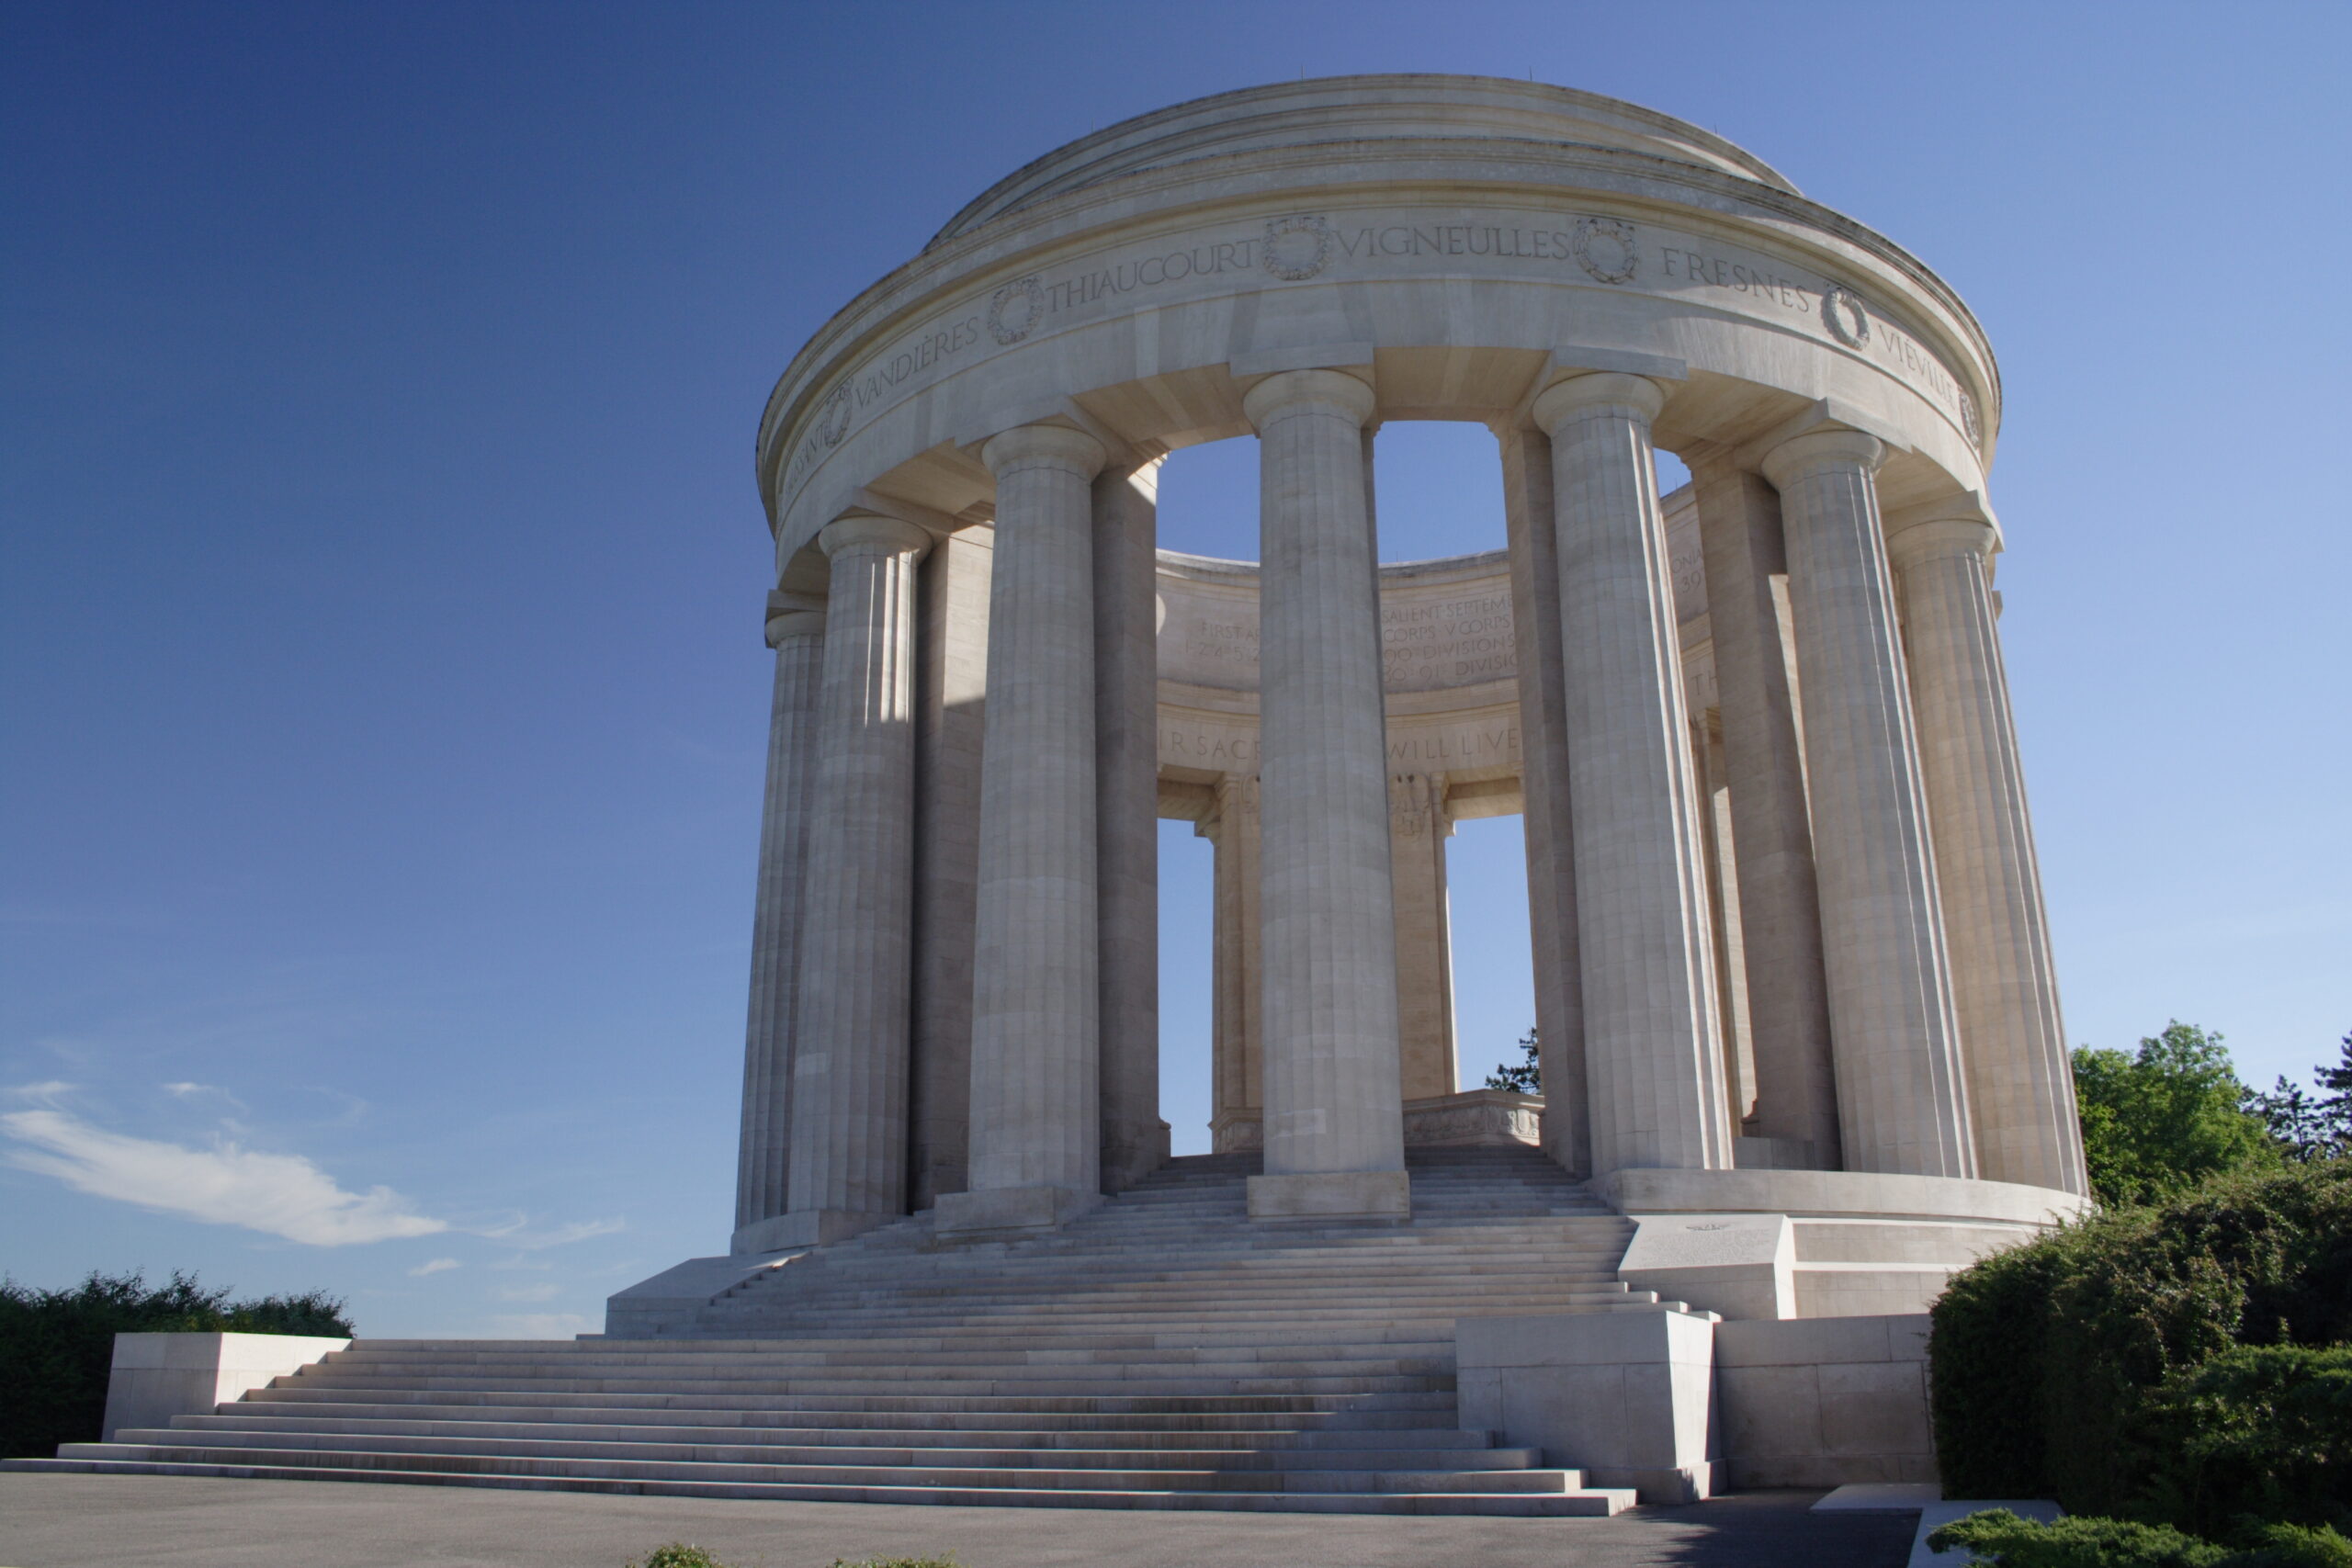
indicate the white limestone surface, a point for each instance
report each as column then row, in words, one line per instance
column 158, row 1376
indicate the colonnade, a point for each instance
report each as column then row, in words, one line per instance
column 1894, row 954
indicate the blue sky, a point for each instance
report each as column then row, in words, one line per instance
column 380, row 651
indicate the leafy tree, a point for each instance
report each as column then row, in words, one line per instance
column 2165, row 1118
column 2337, row 1081
column 2311, row 1126
column 57, row 1347
column 1527, row 1077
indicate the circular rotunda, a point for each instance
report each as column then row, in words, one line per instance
column 1789, row 952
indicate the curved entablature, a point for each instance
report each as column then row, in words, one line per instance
column 1356, row 108
column 1458, row 272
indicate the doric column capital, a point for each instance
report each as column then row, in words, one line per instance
column 1044, row 447
column 1334, row 391
column 1636, row 395
column 1793, row 459
column 793, row 615
column 1924, row 538
column 795, row 623
column 863, row 533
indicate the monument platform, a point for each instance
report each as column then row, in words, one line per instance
column 1160, row 1352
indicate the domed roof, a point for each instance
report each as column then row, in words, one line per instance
column 1358, row 109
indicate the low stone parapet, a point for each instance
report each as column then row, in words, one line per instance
column 1826, row 1402
column 158, row 1376
column 1679, row 1405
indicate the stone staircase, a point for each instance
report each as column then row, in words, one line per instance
column 1161, row 1351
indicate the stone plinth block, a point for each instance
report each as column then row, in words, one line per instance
column 158, row 1376
column 820, row 1227
column 1491, row 1117
column 1332, row 1195
column 1011, row 1209
column 667, row 1303
column 1826, row 1402
column 1624, row 1396
column 1743, row 1266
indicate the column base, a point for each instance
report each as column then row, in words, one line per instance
column 1332, row 1195
column 1132, row 1151
column 996, row 1210
column 806, row 1228
column 761, row 1236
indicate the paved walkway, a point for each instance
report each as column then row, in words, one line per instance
column 96, row 1522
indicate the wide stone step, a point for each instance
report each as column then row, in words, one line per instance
column 948, row 1451
column 1043, row 1382
column 651, row 1352
column 1029, row 1405
column 784, row 1322
column 1226, row 1435
column 1164, row 1283
column 878, row 1362
column 1588, row 1502
column 1197, row 1307
column 1031, row 1349
column 860, row 1475
column 1414, row 1413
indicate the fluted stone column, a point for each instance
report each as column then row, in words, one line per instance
column 1335, row 1131
column 1902, row 1107
column 2005, row 988
column 1651, row 1053
column 850, row 1020
column 1780, row 907
column 1732, row 1024
column 1236, row 969
column 1036, row 1002
column 1543, row 778
column 1418, row 829
column 951, row 721
column 795, row 629
column 1126, row 738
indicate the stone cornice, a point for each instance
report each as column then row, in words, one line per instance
column 1349, row 172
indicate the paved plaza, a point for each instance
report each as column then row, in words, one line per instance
column 47, row 1521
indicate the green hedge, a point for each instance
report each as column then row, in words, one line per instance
column 57, row 1347
column 2065, row 1367
column 2001, row 1539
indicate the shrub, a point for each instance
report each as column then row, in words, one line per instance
column 2000, row 1539
column 57, row 1347
column 1997, row 1536
column 2264, row 1430
column 2044, row 1360
column 678, row 1554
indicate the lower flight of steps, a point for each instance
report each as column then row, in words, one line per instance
column 1160, row 1352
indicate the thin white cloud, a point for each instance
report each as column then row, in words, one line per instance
column 541, row 1292
column 203, row 1091
column 513, row 1234
column 282, row 1195
column 433, row 1266
column 47, row 1093
column 541, row 1325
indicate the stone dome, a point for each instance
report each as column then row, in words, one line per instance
column 1331, row 109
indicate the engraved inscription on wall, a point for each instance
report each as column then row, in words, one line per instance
column 1580, row 249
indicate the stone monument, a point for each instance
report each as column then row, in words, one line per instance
column 1788, row 928
column 1801, row 1048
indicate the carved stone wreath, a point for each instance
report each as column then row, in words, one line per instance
column 1297, row 247
column 1969, row 421
column 832, row 420
column 1016, row 309
column 1604, row 248
column 1836, row 300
